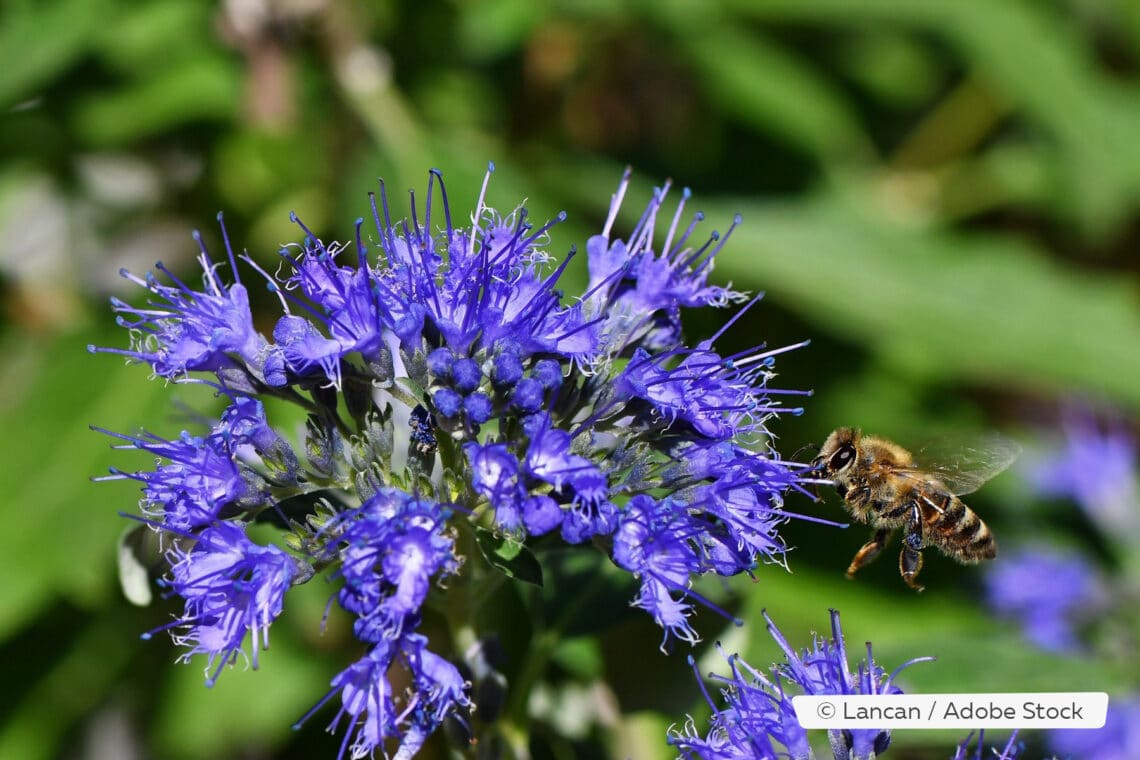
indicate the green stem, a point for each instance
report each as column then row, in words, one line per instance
column 543, row 644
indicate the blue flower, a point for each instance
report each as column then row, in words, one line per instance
column 1048, row 612
column 474, row 288
column 366, row 699
column 205, row 474
column 193, row 330
column 1118, row 739
column 661, row 544
column 232, row 587
column 1097, row 468
column 455, row 397
column 495, row 475
column 758, row 720
column 1008, row 752
column 376, row 713
column 721, row 399
column 347, row 295
column 633, row 282
column 302, row 349
column 395, row 546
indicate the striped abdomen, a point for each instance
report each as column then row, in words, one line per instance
column 955, row 528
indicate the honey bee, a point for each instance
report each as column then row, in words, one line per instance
column 882, row 484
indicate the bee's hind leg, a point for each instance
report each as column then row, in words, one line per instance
column 869, row 551
column 910, row 558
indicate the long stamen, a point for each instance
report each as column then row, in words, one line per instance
column 615, row 202
column 477, row 215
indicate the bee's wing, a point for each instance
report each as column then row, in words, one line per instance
column 964, row 464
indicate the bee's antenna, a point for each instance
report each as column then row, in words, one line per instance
column 802, row 449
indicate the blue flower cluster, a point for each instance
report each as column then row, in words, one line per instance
column 1095, row 466
column 758, row 720
column 1049, row 613
column 452, row 394
column 1085, row 607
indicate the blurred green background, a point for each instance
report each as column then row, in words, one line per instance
column 944, row 196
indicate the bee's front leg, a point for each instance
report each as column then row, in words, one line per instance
column 910, row 559
column 869, row 551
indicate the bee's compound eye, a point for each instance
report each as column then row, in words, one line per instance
column 841, row 458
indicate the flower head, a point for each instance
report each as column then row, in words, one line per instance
column 375, row 712
column 204, row 475
column 394, row 548
column 232, row 587
column 453, row 393
column 758, row 720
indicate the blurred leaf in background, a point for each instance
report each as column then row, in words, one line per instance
column 943, row 196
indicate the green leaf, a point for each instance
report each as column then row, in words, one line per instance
column 1042, row 63
column 197, row 89
column 774, row 91
column 157, row 32
column 512, row 557
column 941, row 304
column 894, row 67
column 974, row 651
column 1039, row 62
column 245, row 707
column 38, row 40
column 68, row 526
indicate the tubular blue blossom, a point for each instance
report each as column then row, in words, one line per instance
column 660, row 544
column 717, row 397
column 1009, row 752
column 394, row 548
column 366, row 699
column 455, row 398
column 375, row 713
column 205, row 474
column 231, row 586
column 496, row 477
column 634, row 283
column 194, row 330
column 758, row 720
column 1048, row 612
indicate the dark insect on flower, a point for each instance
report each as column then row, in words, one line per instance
column 423, row 430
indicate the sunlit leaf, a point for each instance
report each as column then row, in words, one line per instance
column 510, row 557
column 977, row 308
column 134, row 569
